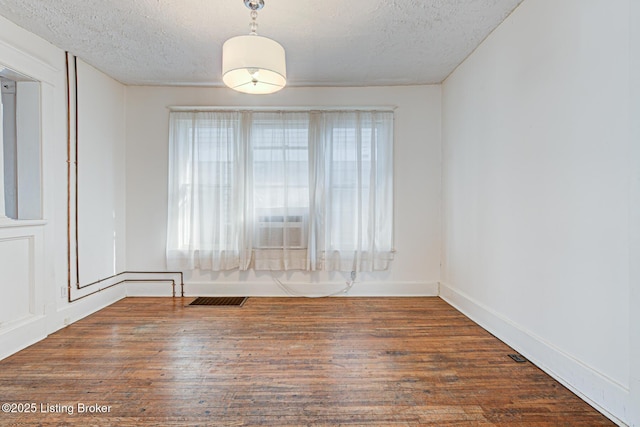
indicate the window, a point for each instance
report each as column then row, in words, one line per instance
column 20, row 153
column 280, row 190
column 280, row 167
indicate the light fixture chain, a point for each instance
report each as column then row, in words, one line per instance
column 253, row 25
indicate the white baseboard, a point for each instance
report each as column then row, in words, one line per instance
column 603, row 393
column 82, row 308
column 150, row 289
column 21, row 335
column 272, row 289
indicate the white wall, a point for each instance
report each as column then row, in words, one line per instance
column 415, row 269
column 101, row 174
column 536, row 153
column 33, row 254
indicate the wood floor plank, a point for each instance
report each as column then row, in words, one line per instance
column 283, row 362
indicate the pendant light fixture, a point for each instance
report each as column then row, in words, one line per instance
column 252, row 63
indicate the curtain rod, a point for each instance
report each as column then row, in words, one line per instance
column 186, row 108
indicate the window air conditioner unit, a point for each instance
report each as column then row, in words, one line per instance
column 280, row 231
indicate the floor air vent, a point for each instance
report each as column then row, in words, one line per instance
column 218, row 301
column 517, row 358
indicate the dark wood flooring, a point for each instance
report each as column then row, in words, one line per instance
column 282, row 362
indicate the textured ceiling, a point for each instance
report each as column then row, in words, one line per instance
column 328, row 42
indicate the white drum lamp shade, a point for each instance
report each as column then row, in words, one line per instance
column 253, row 64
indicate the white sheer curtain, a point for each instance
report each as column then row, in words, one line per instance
column 207, row 192
column 353, row 195
column 281, row 190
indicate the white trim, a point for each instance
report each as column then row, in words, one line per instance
column 598, row 390
column 18, row 335
column 280, row 108
column 21, row 334
column 271, row 289
column 17, row 223
column 18, row 60
column 150, row 289
column 80, row 309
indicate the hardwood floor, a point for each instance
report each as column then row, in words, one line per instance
column 282, row 362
